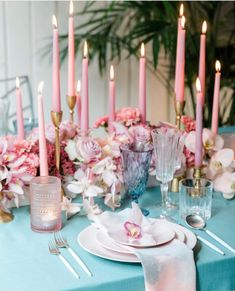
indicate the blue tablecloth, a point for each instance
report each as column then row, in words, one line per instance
column 26, row 265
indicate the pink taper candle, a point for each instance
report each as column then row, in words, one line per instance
column 42, row 137
column 56, row 102
column 85, row 97
column 111, row 99
column 71, row 70
column 202, row 59
column 215, row 111
column 19, row 111
column 199, row 121
column 79, row 102
column 180, row 63
column 142, row 84
column 181, row 13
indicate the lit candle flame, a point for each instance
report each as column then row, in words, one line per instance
column 111, row 73
column 183, row 22
column 181, row 10
column 54, row 21
column 71, row 8
column 204, row 27
column 85, row 49
column 217, row 66
column 17, row 83
column 40, row 87
column 78, row 86
column 198, row 85
column 142, row 50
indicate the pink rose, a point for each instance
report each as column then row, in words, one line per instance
column 69, row 129
column 50, row 133
column 88, row 149
column 140, row 134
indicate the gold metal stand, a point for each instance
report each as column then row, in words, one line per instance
column 5, row 216
column 197, row 176
column 71, row 101
column 179, row 109
column 56, row 118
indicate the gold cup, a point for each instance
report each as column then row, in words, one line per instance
column 5, row 216
column 56, row 118
column 71, row 101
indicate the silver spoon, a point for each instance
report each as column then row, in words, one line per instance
column 197, row 222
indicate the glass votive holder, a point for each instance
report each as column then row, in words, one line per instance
column 45, row 204
column 193, row 200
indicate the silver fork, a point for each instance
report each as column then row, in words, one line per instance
column 55, row 251
column 61, row 242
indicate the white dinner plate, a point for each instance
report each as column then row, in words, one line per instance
column 87, row 240
column 160, row 234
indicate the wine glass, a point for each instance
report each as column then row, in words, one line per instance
column 166, row 143
column 135, row 165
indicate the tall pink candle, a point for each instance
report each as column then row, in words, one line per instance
column 56, row 102
column 177, row 47
column 202, row 59
column 142, row 84
column 85, row 97
column 199, row 121
column 19, row 111
column 79, row 104
column 111, row 100
column 181, row 63
column 71, row 70
column 215, row 111
column 42, row 138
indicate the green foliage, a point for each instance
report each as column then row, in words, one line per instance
column 116, row 30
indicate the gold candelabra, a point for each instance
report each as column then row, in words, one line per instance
column 71, row 101
column 5, row 216
column 197, row 176
column 56, row 118
column 179, row 109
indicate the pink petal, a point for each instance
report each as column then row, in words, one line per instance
column 137, row 214
column 224, row 156
column 190, row 141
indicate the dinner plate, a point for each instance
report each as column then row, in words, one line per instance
column 110, row 244
column 160, row 234
column 87, row 240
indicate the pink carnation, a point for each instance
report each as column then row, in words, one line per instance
column 102, row 121
column 189, row 123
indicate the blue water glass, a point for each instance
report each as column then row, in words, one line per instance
column 135, row 166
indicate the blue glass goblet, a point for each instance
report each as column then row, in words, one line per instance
column 135, row 166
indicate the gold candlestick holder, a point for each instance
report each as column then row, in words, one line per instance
column 5, row 216
column 71, row 101
column 179, row 109
column 197, row 188
column 56, row 118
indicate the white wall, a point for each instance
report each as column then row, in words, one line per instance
column 25, row 29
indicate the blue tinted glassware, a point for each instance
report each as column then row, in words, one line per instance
column 135, row 171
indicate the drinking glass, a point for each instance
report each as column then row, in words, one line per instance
column 166, row 142
column 45, row 204
column 135, row 171
column 195, row 201
column 4, row 109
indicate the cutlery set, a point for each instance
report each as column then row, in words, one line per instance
column 60, row 242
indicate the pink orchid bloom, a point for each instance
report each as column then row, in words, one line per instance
column 220, row 161
column 225, row 183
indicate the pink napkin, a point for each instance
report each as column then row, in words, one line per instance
column 169, row 267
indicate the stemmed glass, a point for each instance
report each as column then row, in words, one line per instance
column 135, row 165
column 167, row 147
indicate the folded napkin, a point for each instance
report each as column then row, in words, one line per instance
column 169, row 267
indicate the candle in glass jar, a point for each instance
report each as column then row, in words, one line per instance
column 202, row 59
column 19, row 111
column 111, row 99
column 142, row 84
column 71, row 70
column 85, row 97
column 56, row 102
column 215, row 110
column 199, row 125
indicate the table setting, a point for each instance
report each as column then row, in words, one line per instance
column 78, row 212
